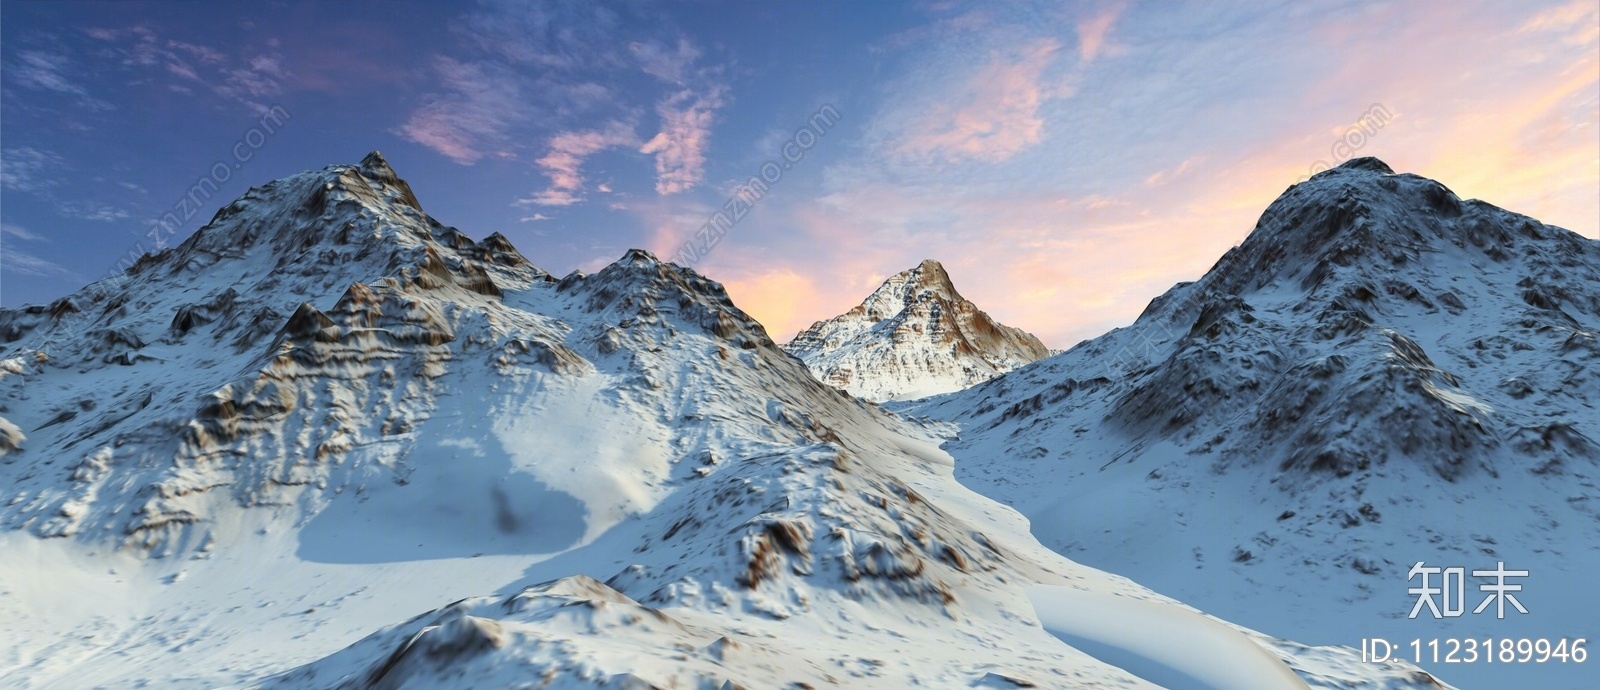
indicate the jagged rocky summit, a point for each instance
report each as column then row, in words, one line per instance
column 913, row 337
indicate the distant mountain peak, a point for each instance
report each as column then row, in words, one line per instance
column 927, row 281
column 1367, row 163
column 914, row 336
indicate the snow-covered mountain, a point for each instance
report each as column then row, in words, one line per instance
column 913, row 337
column 1380, row 374
column 326, row 411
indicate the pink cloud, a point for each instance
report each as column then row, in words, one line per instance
column 1093, row 30
column 443, row 133
column 666, row 63
column 680, row 146
column 1578, row 21
column 994, row 115
column 946, row 29
column 563, row 162
column 473, row 117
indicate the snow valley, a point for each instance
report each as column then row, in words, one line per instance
column 276, row 454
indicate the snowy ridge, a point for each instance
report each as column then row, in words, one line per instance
column 327, row 408
column 233, row 305
column 913, row 337
column 1380, row 374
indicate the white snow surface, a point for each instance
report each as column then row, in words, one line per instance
column 1169, row 645
column 274, row 455
column 913, row 337
column 1380, row 374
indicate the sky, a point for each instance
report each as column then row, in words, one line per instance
column 1066, row 161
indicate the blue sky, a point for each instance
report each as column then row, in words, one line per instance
column 1066, row 161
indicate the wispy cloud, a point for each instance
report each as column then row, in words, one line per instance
column 1093, row 31
column 680, row 147
column 20, row 233
column 687, row 114
column 246, row 77
column 555, row 83
column 1185, row 144
column 53, row 71
column 27, row 169
column 947, row 29
column 262, row 76
column 1165, row 175
column 92, row 210
column 563, row 162
column 43, row 173
column 671, row 64
column 563, row 61
column 1577, row 22
column 16, row 261
column 23, row 263
column 993, row 115
column 473, row 118
column 562, row 36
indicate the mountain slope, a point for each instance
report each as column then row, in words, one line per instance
column 1380, row 374
column 326, row 409
column 913, row 337
column 162, row 381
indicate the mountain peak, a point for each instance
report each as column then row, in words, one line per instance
column 374, row 167
column 931, row 274
column 912, row 337
column 927, row 281
column 638, row 256
column 1360, row 218
column 1367, row 163
column 320, row 229
column 375, row 161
